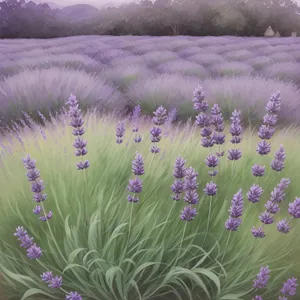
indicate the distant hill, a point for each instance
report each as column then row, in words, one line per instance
column 77, row 12
column 54, row 5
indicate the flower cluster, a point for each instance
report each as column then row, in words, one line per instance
column 217, row 121
column 159, row 119
column 191, row 196
column 289, row 289
column 78, row 131
column 135, row 185
column 235, row 212
column 272, row 207
column 203, row 120
column 279, row 157
column 179, row 174
column 33, row 251
column 135, row 123
column 267, row 130
column 120, row 132
column 236, row 131
column 261, row 280
column 37, row 187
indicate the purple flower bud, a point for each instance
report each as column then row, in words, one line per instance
column 277, row 195
column 190, row 181
column 279, row 158
column 155, row 134
column 234, row 154
column 82, row 165
column 135, row 185
column 79, row 143
column 236, row 117
column 138, row 165
column 257, row 298
column 263, row 148
column 178, row 187
column 289, row 287
column 207, row 142
column 206, row 131
column 120, row 131
column 29, row 163
column 262, row 278
column 188, row 213
column 211, row 161
column 37, row 210
column 258, row 170
column 20, row 232
column 78, row 131
column 266, row 132
column 266, row 218
column 284, row 183
column 213, row 173
column 199, row 103
column 34, row 252
column 220, row 154
column 203, row 120
column 254, row 193
column 26, row 241
column 154, row 149
column 133, row 199
column 37, row 186
column 258, row 232
column 236, row 140
column 232, row 224
column 274, row 105
column 235, row 129
column 138, row 139
column 272, row 207
column 73, row 296
column 33, row 175
column 294, row 208
column 219, row 138
column 270, row 120
column 160, row 116
column 283, row 226
column 210, row 189
column 215, row 110
column 55, row 282
column 191, row 197
column 47, row 276
column 179, row 168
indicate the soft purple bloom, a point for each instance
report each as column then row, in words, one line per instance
column 283, row 226
column 29, row 163
column 270, row 119
column 236, row 209
column 207, row 142
column 82, row 165
column 232, row 224
column 234, row 154
column 73, row 296
column 26, row 241
column 55, row 282
column 155, row 134
column 236, row 139
column 206, row 132
column 34, row 252
column 258, row 232
column 263, row 148
column 262, row 278
column 219, row 138
column 20, row 232
column 220, row 154
column 191, row 197
column 272, row 207
column 47, row 276
column 257, row 298
column 213, row 173
column 160, row 116
column 133, row 199
column 135, row 185
column 37, row 186
column 154, row 149
column 274, row 104
column 190, row 181
column 200, row 104
column 235, row 129
column 138, row 139
column 210, row 189
column 266, row 218
column 138, row 165
column 284, row 183
column 289, row 287
column 215, row 110
column 120, row 132
column 179, row 168
column 258, row 170
column 211, row 161
column 266, row 132
column 203, row 120
column 177, row 188
column 46, row 217
column 254, row 193
column 294, row 208
column 188, row 213
column 279, row 158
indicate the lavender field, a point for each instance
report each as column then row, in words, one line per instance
column 138, row 168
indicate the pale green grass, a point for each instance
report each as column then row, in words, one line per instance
column 94, row 260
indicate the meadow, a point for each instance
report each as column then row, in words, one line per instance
column 97, row 238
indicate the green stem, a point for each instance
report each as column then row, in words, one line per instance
column 183, row 234
column 226, row 246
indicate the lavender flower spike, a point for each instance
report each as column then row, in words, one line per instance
column 279, row 158
column 188, row 213
column 160, row 116
column 179, row 168
column 138, row 165
column 120, row 131
column 73, row 296
column 200, row 104
column 294, row 208
column 262, row 278
column 289, row 287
